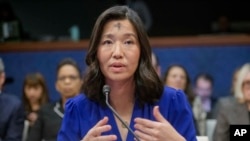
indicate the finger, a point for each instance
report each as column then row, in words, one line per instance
column 142, row 136
column 106, row 138
column 101, row 138
column 99, row 130
column 145, row 122
column 102, row 122
column 100, row 127
column 144, row 129
column 158, row 116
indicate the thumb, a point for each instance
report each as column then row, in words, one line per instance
column 158, row 116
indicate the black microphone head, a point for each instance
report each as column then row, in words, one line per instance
column 106, row 89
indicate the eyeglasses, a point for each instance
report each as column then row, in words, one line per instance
column 70, row 77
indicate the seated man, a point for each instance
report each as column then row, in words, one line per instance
column 11, row 113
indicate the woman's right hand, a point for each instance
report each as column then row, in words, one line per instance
column 94, row 133
column 32, row 117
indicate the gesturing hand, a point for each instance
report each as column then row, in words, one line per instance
column 94, row 133
column 32, row 118
column 159, row 130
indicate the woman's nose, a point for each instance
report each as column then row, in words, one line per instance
column 118, row 52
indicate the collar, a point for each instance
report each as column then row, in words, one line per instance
column 57, row 110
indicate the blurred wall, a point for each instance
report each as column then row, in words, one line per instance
column 219, row 61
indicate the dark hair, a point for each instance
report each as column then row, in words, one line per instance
column 68, row 61
column 188, row 90
column 204, row 76
column 156, row 59
column 35, row 80
column 148, row 85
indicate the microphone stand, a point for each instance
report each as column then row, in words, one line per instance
column 117, row 115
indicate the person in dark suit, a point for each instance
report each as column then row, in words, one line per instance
column 50, row 115
column 12, row 114
column 234, row 110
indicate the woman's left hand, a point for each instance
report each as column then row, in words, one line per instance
column 159, row 130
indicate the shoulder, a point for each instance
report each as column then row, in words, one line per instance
column 176, row 99
column 226, row 101
column 79, row 101
column 170, row 94
column 10, row 99
column 77, row 107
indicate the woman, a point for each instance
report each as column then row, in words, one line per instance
column 119, row 55
column 68, row 84
column 234, row 111
column 176, row 76
column 35, row 94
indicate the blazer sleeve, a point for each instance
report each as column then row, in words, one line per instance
column 16, row 123
column 181, row 116
column 69, row 130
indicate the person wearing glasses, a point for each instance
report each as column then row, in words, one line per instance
column 234, row 111
column 50, row 116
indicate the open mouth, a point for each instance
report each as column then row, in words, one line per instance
column 117, row 67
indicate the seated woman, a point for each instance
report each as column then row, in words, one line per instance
column 234, row 110
column 35, row 94
column 119, row 62
column 176, row 76
column 68, row 84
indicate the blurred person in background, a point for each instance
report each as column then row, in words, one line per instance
column 68, row 84
column 176, row 76
column 11, row 113
column 35, row 95
column 155, row 63
column 203, row 88
column 237, row 109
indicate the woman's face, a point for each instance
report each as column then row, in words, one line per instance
column 68, row 82
column 119, row 51
column 33, row 93
column 246, row 87
column 176, row 78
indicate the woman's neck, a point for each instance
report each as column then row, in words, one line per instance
column 122, row 96
column 35, row 106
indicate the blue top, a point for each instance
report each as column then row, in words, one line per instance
column 81, row 114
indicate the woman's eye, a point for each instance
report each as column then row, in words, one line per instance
column 129, row 42
column 107, row 42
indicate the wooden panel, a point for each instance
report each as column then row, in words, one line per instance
column 206, row 40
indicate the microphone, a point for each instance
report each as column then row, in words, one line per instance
column 106, row 90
